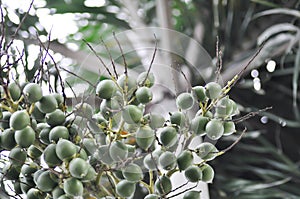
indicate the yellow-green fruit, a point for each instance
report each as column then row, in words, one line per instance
column 46, row 182
column 73, row 187
column 167, row 160
column 214, row 129
column 19, row 120
column 145, row 137
column 206, row 151
column 213, row 90
column 106, row 89
column 125, row 188
column 199, row 93
column 78, row 168
column 17, row 156
column 58, row 132
column 132, row 114
column 55, row 118
column 33, row 92
column 163, row 185
column 198, row 125
column 47, row 104
column 84, row 110
column 133, row 173
column 65, row 149
column 34, row 152
column 185, row 159
column 192, row 195
column 146, row 79
column 168, row 136
column 118, row 151
column 14, row 91
column 25, row 137
column 207, row 173
column 193, row 173
column 8, row 139
column 50, row 156
column 143, row 95
column 185, row 101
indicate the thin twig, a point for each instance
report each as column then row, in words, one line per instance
column 249, row 115
column 177, row 194
column 234, row 143
column 122, row 53
column 74, row 74
column 111, row 59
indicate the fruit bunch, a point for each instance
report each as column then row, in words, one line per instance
column 106, row 151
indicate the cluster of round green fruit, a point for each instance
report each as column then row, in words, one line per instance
column 106, row 151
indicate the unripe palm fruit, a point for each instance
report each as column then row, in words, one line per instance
column 198, row 125
column 128, row 81
column 133, row 173
column 17, row 187
column 207, row 173
column 34, row 193
column 84, row 110
column 17, row 156
column 19, row 120
column 229, row 128
column 214, row 129
column 58, row 132
column 109, row 107
column 206, row 151
column 38, row 115
column 28, row 170
column 50, row 156
column 44, row 135
column 78, row 168
column 59, row 98
column 184, row 159
column 8, row 139
column 91, row 174
column 125, row 188
column 25, row 186
column 34, row 152
column 132, row 114
column 213, row 90
column 65, row 149
column 14, row 91
column 4, row 123
column 163, row 185
column 47, row 104
column 151, row 161
column 57, row 192
column 55, row 118
column 118, row 151
column 103, row 155
column 144, row 80
column 178, row 118
column 90, row 145
column 192, row 195
column 11, row 171
column 65, row 196
column 145, row 137
column 73, row 187
column 168, row 136
column 106, row 89
column 25, row 137
column 199, row 93
column 185, row 101
column 224, row 108
column 154, row 120
column 143, row 95
column 33, row 92
column 46, row 182
column 151, row 196
column 167, row 160
column 193, row 173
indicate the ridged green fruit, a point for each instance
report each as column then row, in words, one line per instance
column 14, row 91
column 199, row 93
column 167, row 160
column 213, row 90
column 25, row 137
column 132, row 114
column 106, row 89
column 163, row 185
column 50, row 156
column 47, row 104
column 125, row 188
column 145, row 79
column 73, row 187
column 168, row 136
column 198, row 125
column 184, row 159
column 214, row 129
column 192, row 195
column 207, row 173
column 78, row 168
column 34, row 152
column 133, row 173
column 58, row 132
column 118, row 151
column 206, row 151
column 84, row 110
column 143, row 95
column 185, row 101
column 145, row 137
column 178, row 118
column 193, row 173
column 33, row 92
column 8, row 139
column 19, row 120
column 55, row 118
column 65, row 149
column 17, row 156
column 46, row 182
